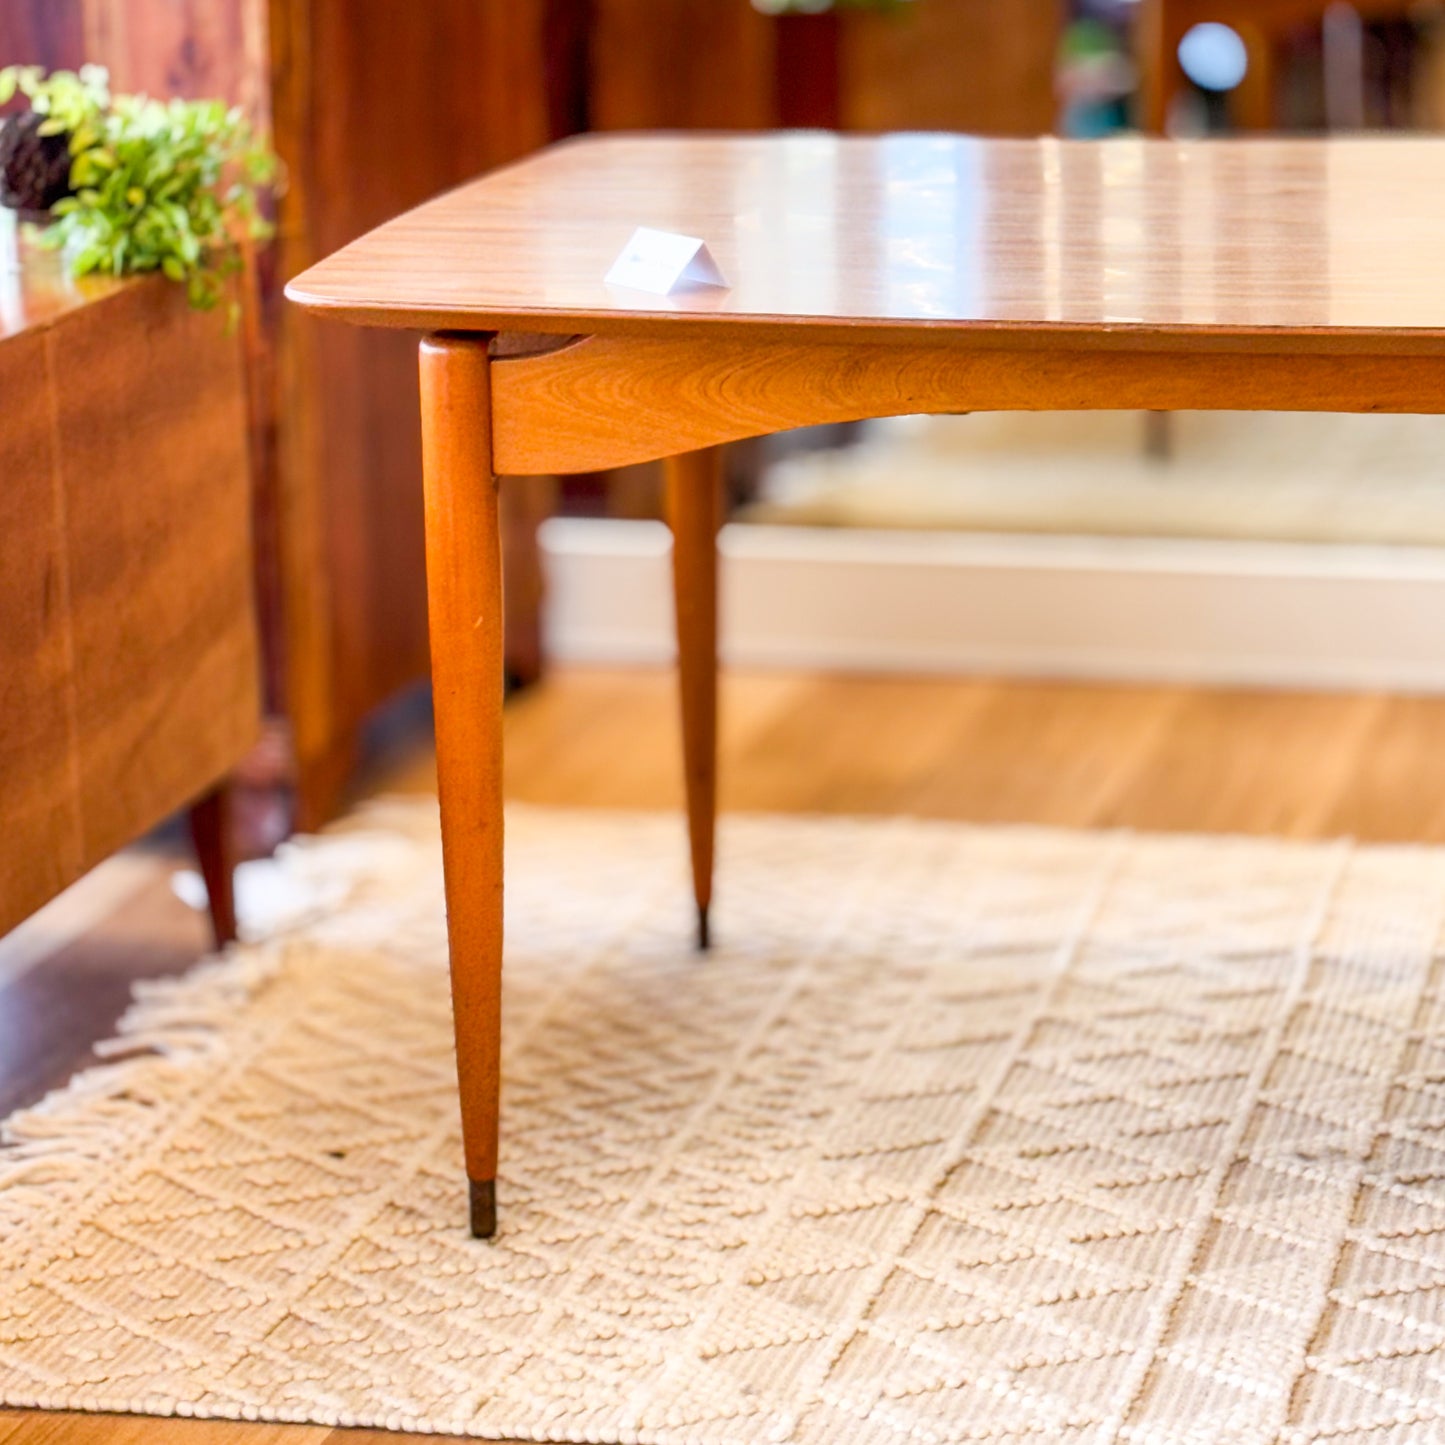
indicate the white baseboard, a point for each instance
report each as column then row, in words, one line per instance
column 1129, row 608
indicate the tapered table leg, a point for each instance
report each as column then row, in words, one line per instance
column 694, row 508
column 464, row 588
column 216, row 858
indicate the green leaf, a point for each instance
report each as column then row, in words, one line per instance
column 159, row 185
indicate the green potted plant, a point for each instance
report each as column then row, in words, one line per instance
column 125, row 184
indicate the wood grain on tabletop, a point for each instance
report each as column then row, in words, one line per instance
column 1125, row 242
column 1302, row 765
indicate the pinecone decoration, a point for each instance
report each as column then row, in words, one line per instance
column 34, row 168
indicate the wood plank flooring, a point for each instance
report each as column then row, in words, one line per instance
column 1301, row 765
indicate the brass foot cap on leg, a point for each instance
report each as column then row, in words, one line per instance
column 704, row 933
column 484, row 1207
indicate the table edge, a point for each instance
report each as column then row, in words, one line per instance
column 823, row 330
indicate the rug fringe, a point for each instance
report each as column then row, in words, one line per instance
column 54, row 1152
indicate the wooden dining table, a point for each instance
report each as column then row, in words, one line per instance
column 864, row 277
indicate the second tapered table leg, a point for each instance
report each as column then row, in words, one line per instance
column 464, row 591
column 694, row 507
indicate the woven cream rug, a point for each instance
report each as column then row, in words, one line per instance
column 961, row 1134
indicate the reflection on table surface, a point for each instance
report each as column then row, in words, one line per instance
column 935, row 229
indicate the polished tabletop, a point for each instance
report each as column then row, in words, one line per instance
column 1115, row 240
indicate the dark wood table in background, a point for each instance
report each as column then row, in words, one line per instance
column 868, row 277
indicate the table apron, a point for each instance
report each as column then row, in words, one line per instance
column 611, row 401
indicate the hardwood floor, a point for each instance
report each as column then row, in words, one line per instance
column 1148, row 758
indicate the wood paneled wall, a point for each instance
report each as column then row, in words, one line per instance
column 182, row 47
column 377, row 106
column 680, row 64
column 160, row 47
column 969, row 65
column 35, row 32
column 972, row 65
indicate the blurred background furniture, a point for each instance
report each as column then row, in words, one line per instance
column 1346, row 94
column 128, row 648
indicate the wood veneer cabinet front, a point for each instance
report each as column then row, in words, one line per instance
column 128, row 648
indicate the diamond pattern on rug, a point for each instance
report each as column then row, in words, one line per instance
column 961, row 1134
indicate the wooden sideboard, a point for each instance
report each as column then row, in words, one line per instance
column 128, row 649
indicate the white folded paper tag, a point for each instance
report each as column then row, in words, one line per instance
column 659, row 261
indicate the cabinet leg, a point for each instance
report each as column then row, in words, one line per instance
column 464, row 590
column 211, row 835
column 694, row 508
